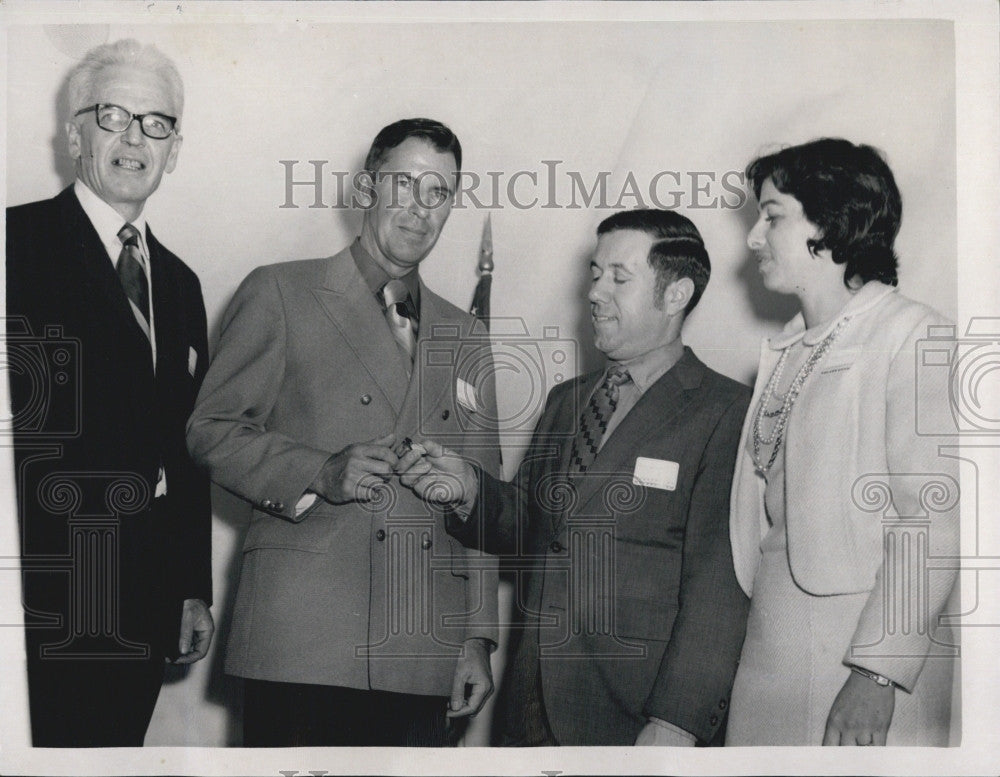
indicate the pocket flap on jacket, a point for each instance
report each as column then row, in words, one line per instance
column 313, row 534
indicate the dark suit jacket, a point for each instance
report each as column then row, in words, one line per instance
column 627, row 602
column 363, row 595
column 93, row 424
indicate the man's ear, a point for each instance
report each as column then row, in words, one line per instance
column 172, row 155
column 73, row 140
column 678, row 295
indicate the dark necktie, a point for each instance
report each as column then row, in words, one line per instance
column 395, row 296
column 130, row 271
column 594, row 420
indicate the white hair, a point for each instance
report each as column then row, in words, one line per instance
column 128, row 51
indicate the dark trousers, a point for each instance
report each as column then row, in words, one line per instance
column 304, row 715
column 92, row 702
column 93, row 681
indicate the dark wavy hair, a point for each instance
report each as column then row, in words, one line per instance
column 434, row 132
column 677, row 251
column 846, row 190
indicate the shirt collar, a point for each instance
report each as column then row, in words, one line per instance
column 107, row 221
column 376, row 277
column 645, row 370
column 867, row 297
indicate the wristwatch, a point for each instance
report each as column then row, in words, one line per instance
column 875, row 678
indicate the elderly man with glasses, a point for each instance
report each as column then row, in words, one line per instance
column 115, row 519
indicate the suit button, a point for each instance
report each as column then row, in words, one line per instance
column 366, row 399
column 426, row 544
column 722, row 704
column 556, row 546
column 713, row 720
column 380, row 535
column 266, row 504
column 278, row 506
column 445, row 414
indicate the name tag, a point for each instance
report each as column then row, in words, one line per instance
column 465, row 395
column 655, row 473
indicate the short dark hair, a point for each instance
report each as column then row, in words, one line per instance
column 434, row 132
column 678, row 250
column 849, row 193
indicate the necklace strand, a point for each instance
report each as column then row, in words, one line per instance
column 786, row 401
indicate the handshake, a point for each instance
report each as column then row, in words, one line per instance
column 435, row 474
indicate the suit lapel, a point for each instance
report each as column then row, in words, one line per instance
column 99, row 275
column 352, row 308
column 568, row 422
column 657, row 410
column 428, row 386
column 167, row 307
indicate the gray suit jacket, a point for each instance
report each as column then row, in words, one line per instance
column 365, row 595
column 627, row 602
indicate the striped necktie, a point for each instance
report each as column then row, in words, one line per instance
column 594, row 420
column 131, row 274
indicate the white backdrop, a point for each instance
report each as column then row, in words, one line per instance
column 695, row 98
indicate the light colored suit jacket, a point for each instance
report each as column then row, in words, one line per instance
column 860, row 478
column 364, row 595
column 627, row 603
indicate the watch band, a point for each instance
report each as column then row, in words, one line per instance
column 875, row 678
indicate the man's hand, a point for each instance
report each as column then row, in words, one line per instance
column 351, row 475
column 197, row 628
column 439, row 475
column 658, row 735
column 861, row 713
column 473, row 672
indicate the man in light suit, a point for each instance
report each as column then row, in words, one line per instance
column 358, row 621
column 629, row 619
column 115, row 518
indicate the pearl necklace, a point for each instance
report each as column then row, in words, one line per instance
column 785, row 401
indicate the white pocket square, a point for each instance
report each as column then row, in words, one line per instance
column 192, row 360
column 465, row 395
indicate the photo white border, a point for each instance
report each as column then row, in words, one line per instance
column 977, row 46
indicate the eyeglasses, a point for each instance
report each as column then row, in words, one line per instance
column 114, row 118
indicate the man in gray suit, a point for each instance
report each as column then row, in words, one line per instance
column 358, row 621
column 628, row 617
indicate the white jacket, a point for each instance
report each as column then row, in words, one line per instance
column 871, row 500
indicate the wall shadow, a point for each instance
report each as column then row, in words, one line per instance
column 589, row 358
column 62, row 163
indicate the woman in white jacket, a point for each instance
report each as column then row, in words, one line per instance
column 844, row 515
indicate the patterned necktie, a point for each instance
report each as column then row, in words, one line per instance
column 395, row 296
column 594, row 420
column 130, row 271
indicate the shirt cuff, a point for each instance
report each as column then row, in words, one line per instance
column 307, row 500
column 463, row 510
column 675, row 729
